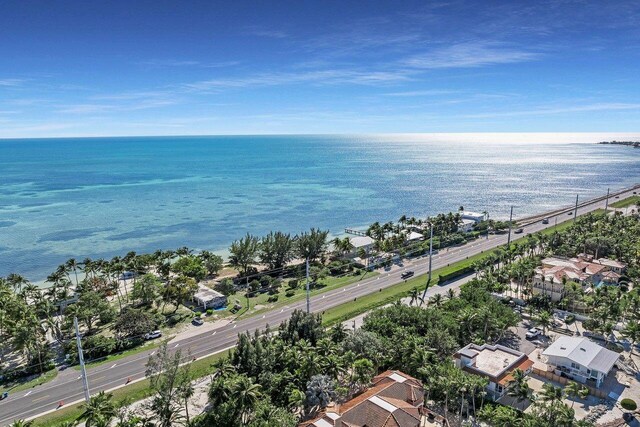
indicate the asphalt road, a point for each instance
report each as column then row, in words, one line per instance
column 67, row 386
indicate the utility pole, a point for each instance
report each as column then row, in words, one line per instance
column 85, row 381
column 308, row 298
column 424, row 294
column 606, row 204
column 575, row 211
column 510, row 219
column 487, row 225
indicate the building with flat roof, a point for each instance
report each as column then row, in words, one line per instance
column 475, row 216
column 395, row 399
column 208, row 298
column 580, row 359
column 496, row 363
column 466, row 225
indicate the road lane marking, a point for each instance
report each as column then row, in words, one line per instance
column 152, row 353
column 214, row 332
column 40, row 398
column 80, row 377
column 99, row 378
column 28, row 393
column 175, row 346
column 113, row 366
column 264, row 315
column 234, row 326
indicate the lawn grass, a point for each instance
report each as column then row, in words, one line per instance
column 128, row 394
column 633, row 200
column 329, row 283
column 388, row 295
column 16, row 386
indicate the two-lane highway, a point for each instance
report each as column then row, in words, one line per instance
column 67, row 386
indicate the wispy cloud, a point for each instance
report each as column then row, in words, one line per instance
column 429, row 92
column 330, row 76
column 265, row 32
column 109, row 108
column 470, row 55
column 11, row 82
column 613, row 106
column 163, row 63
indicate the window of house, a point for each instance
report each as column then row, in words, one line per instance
column 575, row 365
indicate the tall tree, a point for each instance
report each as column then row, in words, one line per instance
column 244, row 252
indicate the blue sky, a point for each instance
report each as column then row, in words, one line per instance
column 76, row 68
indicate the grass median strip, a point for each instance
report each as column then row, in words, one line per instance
column 129, row 394
column 14, row 387
column 633, row 200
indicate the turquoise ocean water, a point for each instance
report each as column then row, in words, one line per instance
column 99, row 197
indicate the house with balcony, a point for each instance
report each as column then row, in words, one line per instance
column 496, row 363
column 580, row 359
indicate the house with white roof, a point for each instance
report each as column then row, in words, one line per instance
column 474, row 216
column 362, row 242
column 208, row 298
column 580, row 359
column 496, row 363
column 414, row 237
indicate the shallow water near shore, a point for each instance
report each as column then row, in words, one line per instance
column 100, row 197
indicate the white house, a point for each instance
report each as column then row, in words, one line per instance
column 414, row 237
column 474, row 216
column 580, row 359
column 466, row 225
column 496, row 363
column 362, row 242
column 208, row 298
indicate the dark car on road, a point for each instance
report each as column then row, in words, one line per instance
column 198, row 321
column 545, row 221
column 406, row 275
column 519, row 230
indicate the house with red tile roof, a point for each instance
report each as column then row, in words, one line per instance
column 395, row 399
column 555, row 272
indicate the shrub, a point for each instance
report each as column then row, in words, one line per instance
column 628, row 404
column 570, row 319
column 293, row 284
column 290, row 293
column 254, row 285
column 272, row 298
column 209, row 311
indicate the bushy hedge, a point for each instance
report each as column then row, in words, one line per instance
column 628, row 404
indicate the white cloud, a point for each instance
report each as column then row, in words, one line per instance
column 11, row 82
column 470, row 55
column 614, row 106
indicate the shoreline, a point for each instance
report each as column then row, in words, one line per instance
column 42, row 283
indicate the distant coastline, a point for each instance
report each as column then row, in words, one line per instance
column 634, row 144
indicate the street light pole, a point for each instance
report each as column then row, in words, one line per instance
column 308, row 296
column 85, row 381
column 424, row 294
column 575, row 211
column 510, row 219
column 606, row 204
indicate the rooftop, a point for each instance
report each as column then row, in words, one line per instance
column 584, row 352
column 206, row 294
column 361, row 241
column 495, row 361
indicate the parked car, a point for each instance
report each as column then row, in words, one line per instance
column 533, row 333
column 519, row 230
column 152, row 335
column 569, row 213
column 4, row 395
column 197, row 321
column 545, row 221
column 406, row 274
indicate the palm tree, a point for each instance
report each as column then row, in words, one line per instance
column 414, row 294
column 544, row 320
column 99, row 411
column 572, row 390
column 551, row 393
column 245, row 395
column 519, row 388
column 631, row 331
column 21, row 423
